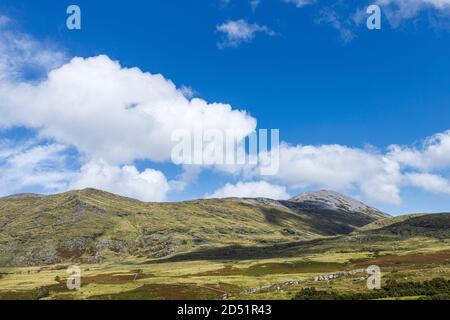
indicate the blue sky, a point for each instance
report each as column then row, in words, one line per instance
column 312, row 70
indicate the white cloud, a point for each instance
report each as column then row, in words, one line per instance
column 404, row 8
column 149, row 185
column 20, row 53
column 188, row 176
column 113, row 116
column 341, row 168
column 398, row 10
column 113, row 113
column 367, row 173
column 428, row 182
column 434, row 153
column 260, row 189
column 30, row 166
column 34, row 165
column 414, row 5
column 338, row 14
column 236, row 32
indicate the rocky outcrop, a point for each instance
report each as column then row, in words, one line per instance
column 335, row 275
column 276, row 286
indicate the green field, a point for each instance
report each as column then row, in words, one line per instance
column 214, row 249
column 271, row 278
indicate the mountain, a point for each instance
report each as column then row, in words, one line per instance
column 238, row 248
column 331, row 200
column 92, row 226
column 435, row 225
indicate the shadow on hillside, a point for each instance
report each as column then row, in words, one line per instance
column 237, row 252
column 432, row 225
column 310, row 217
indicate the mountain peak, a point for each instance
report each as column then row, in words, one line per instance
column 332, row 200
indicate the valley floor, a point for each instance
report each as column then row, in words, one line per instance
column 410, row 260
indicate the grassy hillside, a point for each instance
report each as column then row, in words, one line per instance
column 214, row 249
column 90, row 226
column 387, row 221
column 391, row 236
column 433, row 225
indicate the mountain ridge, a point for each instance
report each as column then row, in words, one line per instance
column 319, row 200
column 337, row 201
column 91, row 225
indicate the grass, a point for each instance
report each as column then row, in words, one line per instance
column 212, row 249
column 94, row 226
column 272, row 268
column 435, row 289
column 214, row 280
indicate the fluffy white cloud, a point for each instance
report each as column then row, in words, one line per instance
column 341, row 168
column 236, row 32
column 428, row 182
column 149, row 185
column 259, row 189
column 433, row 155
column 113, row 113
column 47, row 168
column 368, row 173
column 114, row 116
